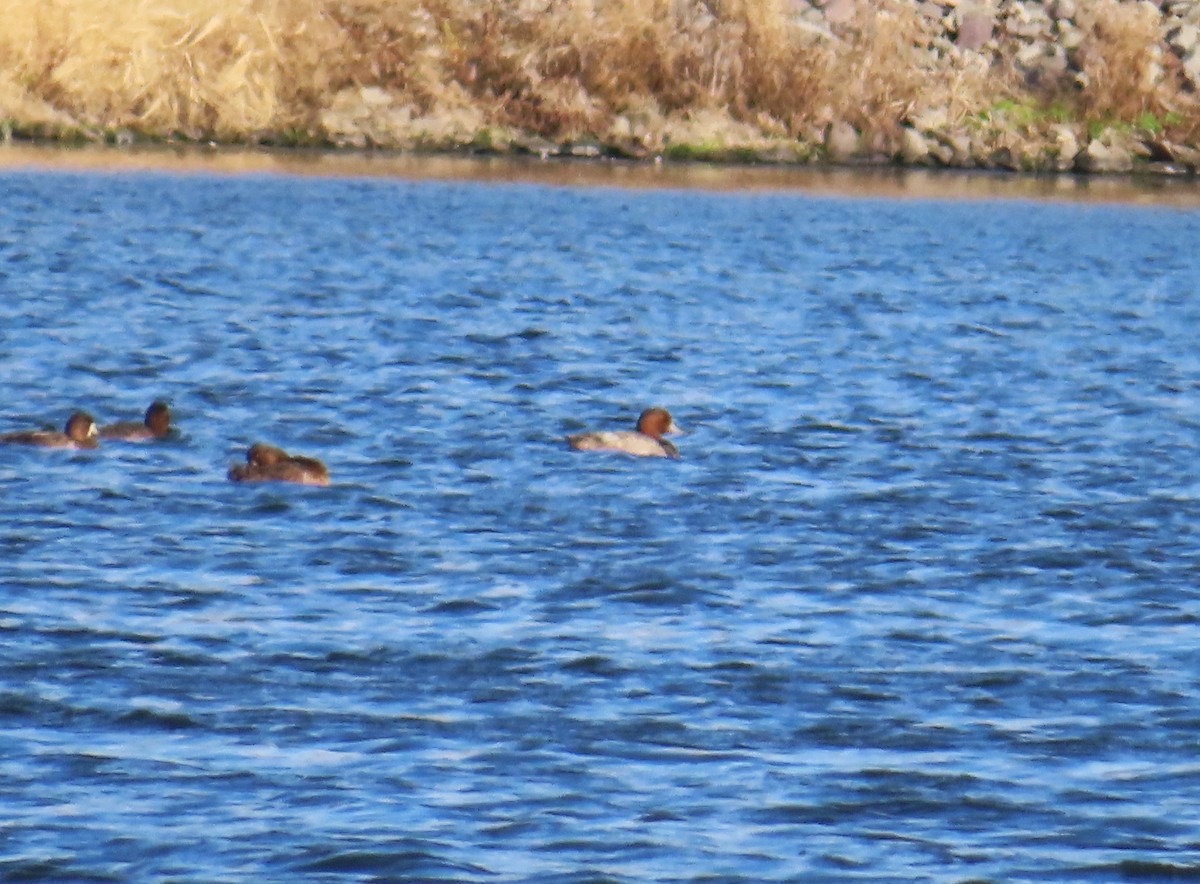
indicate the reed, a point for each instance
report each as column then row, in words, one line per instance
column 1125, row 74
column 204, row 69
column 645, row 71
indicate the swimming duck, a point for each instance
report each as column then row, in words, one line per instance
column 156, row 425
column 80, row 432
column 266, row 463
column 646, row 441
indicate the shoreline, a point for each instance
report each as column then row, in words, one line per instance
column 1036, row 86
column 857, row 180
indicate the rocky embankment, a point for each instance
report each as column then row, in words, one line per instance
column 1096, row 86
column 1045, row 45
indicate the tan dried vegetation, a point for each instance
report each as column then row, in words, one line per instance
column 1126, row 72
column 638, row 73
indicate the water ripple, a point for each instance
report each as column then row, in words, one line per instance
column 916, row 603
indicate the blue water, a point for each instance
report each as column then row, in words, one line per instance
column 920, row 602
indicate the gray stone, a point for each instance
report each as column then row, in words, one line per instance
column 1104, row 158
column 535, row 145
column 838, row 12
column 1185, row 156
column 930, row 10
column 882, row 145
column 374, row 96
column 841, row 141
column 932, row 120
column 914, row 149
column 1061, row 9
column 1043, row 64
column 1069, row 36
column 586, row 149
column 1184, row 38
column 1002, row 158
column 812, row 16
column 1066, row 148
column 1191, row 67
column 963, row 151
column 1027, row 22
column 975, row 26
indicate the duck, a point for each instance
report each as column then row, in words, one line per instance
column 266, row 463
column 79, row 433
column 646, row 441
column 157, row 425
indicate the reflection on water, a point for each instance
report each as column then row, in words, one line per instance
column 845, row 181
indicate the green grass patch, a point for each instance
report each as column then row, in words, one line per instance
column 1027, row 113
column 693, row 152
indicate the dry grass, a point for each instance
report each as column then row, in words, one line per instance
column 209, row 68
column 443, row 71
column 566, row 67
column 1126, row 73
column 558, row 68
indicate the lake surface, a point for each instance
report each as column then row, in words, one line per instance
column 920, row 601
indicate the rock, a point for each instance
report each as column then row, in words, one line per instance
column 374, row 97
column 1157, row 150
column 1152, row 73
column 782, row 153
column 839, row 12
column 942, row 153
column 586, row 149
column 914, row 149
column 628, row 149
column 1027, row 22
column 1068, row 35
column 930, row 10
column 1183, row 155
column 962, row 152
column 1066, row 148
column 1184, row 38
column 1002, row 158
column 1104, row 158
column 975, row 26
column 932, row 120
column 881, row 146
column 533, row 144
column 1191, row 67
column 1059, row 9
column 1042, row 64
column 841, row 142
column 812, row 16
